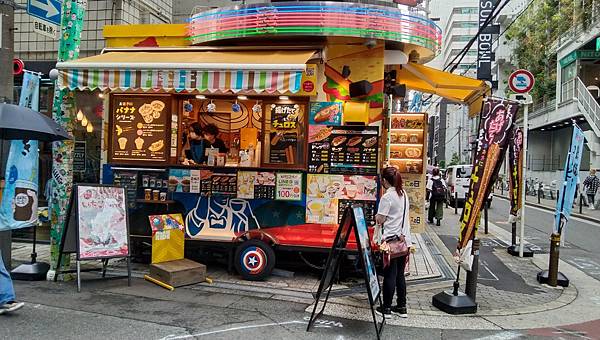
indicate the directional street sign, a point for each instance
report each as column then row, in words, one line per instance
column 47, row 10
column 521, row 81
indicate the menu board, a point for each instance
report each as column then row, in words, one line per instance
column 283, row 135
column 79, row 156
column 289, row 186
column 325, row 113
column 414, row 186
column 129, row 181
column 139, row 130
column 343, row 149
column 102, row 222
column 369, row 208
column 223, row 184
column 407, row 142
column 253, row 184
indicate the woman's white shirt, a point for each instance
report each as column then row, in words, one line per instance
column 397, row 221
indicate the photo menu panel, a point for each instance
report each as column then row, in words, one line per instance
column 139, row 128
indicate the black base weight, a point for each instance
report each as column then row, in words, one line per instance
column 454, row 304
column 30, row 272
column 561, row 279
column 514, row 251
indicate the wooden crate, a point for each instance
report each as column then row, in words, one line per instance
column 179, row 273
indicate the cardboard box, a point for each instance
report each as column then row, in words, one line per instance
column 179, row 273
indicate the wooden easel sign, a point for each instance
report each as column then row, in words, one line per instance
column 353, row 219
column 97, row 227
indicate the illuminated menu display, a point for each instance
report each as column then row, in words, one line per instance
column 139, row 128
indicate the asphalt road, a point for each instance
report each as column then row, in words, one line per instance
column 582, row 242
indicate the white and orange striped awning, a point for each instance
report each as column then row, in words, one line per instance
column 202, row 71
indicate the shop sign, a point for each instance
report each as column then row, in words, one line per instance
column 325, row 113
column 289, row 186
column 308, row 84
column 581, row 54
column 79, row 156
column 484, row 42
column 139, row 128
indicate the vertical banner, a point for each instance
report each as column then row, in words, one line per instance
column 63, row 112
column 515, row 164
column 20, row 197
column 564, row 205
column 494, row 127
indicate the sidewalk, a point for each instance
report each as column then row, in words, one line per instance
column 508, row 295
column 550, row 205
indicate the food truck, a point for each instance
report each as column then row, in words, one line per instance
column 304, row 100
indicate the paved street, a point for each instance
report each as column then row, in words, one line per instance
column 581, row 242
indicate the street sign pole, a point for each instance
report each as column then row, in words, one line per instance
column 525, row 133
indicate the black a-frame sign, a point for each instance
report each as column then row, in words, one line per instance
column 353, row 219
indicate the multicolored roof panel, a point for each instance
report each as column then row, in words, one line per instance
column 282, row 19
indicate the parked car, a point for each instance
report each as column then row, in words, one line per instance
column 458, row 179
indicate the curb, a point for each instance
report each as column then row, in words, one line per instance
column 547, row 208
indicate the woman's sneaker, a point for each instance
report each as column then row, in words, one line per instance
column 400, row 311
column 381, row 311
column 11, row 307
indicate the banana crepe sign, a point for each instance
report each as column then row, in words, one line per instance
column 515, row 163
column 496, row 121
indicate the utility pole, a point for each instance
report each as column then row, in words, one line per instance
column 7, row 23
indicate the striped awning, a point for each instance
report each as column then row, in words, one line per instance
column 206, row 71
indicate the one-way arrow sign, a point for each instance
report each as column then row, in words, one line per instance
column 47, row 10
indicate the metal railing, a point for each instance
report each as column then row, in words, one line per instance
column 578, row 29
column 589, row 104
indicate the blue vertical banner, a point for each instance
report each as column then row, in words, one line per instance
column 20, row 197
column 564, row 205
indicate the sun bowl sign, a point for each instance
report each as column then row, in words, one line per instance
column 521, row 81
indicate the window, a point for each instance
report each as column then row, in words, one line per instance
column 465, row 24
column 465, row 10
column 463, row 38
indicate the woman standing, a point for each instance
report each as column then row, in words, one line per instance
column 393, row 215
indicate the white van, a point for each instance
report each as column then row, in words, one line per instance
column 458, row 178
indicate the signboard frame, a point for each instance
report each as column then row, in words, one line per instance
column 168, row 100
column 353, row 220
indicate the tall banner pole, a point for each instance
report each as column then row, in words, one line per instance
column 525, row 133
column 63, row 112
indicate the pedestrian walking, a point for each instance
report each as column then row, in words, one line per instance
column 393, row 217
column 591, row 184
column 436, row 195
column 7, row 292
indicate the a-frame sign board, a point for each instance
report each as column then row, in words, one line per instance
column 97, row 228
column 353, row 220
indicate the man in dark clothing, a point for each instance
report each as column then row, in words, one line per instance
column 591, row 183
column 436, row 194
column 211, row 131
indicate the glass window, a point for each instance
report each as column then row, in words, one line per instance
column 465, row 10
column 86, row 135
column 465, row 24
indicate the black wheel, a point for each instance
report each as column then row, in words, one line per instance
column 254, row 260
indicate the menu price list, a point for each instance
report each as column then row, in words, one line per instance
column 369, row 209
column 223, row 184
column 346, row 150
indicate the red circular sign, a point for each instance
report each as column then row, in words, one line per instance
column 308, row 86
column 18, row 66
column 521, row 81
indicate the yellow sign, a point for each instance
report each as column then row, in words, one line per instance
column 167, row 237
column 308, row 85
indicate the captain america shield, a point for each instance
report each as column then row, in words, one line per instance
column 253, row 260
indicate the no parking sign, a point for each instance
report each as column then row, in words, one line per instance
column 521, row 81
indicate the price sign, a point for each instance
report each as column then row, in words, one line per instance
column 289, row 187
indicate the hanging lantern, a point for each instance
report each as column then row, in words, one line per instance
column 90, row 128
column 84, row 121
column 79, row 115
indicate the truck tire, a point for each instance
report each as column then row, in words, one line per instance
column 254, row 260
